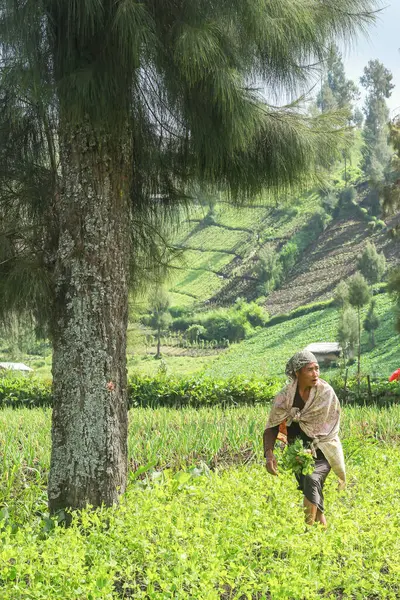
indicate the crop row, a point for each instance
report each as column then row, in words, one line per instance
column 162, row 391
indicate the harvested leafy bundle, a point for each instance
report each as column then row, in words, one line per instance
column 297, row 459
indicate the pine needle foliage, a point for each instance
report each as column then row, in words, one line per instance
column 179, row 86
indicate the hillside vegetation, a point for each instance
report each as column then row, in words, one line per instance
column 267, row 352
column 230, row 252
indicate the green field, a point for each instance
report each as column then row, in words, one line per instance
column 205, row 521
column 267, row 352
column 205, row 260
column 199, row 284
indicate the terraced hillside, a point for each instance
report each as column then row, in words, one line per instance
column 332, row 258
column 222, row 248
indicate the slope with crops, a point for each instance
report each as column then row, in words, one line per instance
column 266, row 353
column 331, row 259
column 223, row 251
column 221, row 258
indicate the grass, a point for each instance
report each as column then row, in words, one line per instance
column 218, row 238
column 250, row 218
column 173, row 439
column 218, row 531
column 199, row 284
column 145, row 364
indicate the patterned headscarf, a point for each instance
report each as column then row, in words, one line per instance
column 299, row 360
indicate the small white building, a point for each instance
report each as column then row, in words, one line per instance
column 325, row 352
column 11, row 366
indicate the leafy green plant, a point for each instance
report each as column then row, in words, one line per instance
column 297, row 459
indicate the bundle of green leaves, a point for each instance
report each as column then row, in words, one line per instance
column 297, row 459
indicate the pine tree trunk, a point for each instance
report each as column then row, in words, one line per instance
column 89, row 426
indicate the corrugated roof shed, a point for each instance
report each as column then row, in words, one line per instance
column 324, row 347
column 14, row 366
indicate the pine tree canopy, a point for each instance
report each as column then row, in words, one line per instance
column 176, row 85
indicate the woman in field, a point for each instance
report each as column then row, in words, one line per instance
column 307, row 408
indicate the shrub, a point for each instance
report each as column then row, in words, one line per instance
column 288, row 256
column 255, row 314
column 178, row 311
column 229, row 325
column 298, row 312
column 17, row 391
column 268, row 270
column 182, row 323
column 382, row 392
column 330, row 201
column 347, row 202
column 196, row 392
column 196, row 332
column 167, row 391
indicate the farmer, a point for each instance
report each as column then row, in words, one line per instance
column 307, row 408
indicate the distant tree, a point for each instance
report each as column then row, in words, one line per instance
column 160, row 318
column 359, row 296
column 348, row 194
column 394, row 291
column 371, row 322
column 391, row 192
column 358, row 117
column 377, row 80
column 268, row 270
column 346, row 202
column 337, row 91
column 341, row 295
column 326, row 100
column 347, row 334
column 371, row 264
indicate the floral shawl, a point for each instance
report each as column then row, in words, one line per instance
column 319, row 419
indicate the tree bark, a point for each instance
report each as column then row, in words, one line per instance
column 89, row 425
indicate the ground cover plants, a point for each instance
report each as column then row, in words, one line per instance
column 201, row 518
